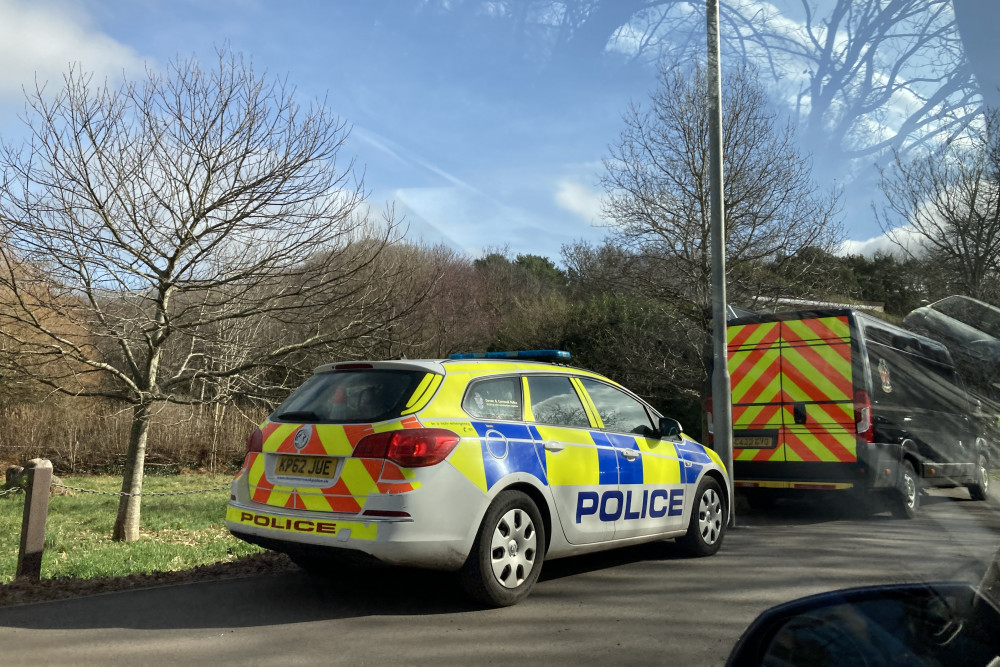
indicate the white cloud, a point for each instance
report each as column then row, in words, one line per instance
column 40, row 39
column 580, row 200
column 470, row 222
column 901, row 242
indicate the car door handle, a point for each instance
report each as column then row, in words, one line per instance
column 630, row 454
column 554, row 446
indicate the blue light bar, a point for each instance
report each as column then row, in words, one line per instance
column 524, row 355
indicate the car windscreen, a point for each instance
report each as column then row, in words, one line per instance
column 351, row 396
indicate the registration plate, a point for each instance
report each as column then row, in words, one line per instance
column 317, row 467
column 753, row 442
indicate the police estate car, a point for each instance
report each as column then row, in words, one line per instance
column 483, row 464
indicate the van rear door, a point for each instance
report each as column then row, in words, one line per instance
column 793, row 396
column 817, row 393
column 755, row 375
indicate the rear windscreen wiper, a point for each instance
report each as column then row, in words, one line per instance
column 299, row 415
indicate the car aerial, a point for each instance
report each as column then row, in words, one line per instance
column 482, row 464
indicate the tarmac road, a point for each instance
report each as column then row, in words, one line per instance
column 641, row 605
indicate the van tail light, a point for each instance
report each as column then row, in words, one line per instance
column 410, row 447
column 710, row 437
column 863, row 415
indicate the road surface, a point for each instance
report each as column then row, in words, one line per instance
column 641, row 605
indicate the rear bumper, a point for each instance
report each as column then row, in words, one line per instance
column 877, row 468
column 779, row 474
column 435, row 529
column 394, row 541
column 793, row 485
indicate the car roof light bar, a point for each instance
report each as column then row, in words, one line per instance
column 524, row 355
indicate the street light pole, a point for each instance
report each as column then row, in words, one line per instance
column 722, row 408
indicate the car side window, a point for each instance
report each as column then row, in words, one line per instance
column 497, row 398
column 619, row 411
column 555, row 401
column 956, row 308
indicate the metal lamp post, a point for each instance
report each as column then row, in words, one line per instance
column 722, row 408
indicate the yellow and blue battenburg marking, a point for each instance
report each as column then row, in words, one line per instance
column 505, row 449
column 693, row 456
column 626, row 472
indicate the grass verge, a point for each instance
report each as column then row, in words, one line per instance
column 178, row 532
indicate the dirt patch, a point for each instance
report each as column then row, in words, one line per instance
column 27, row 592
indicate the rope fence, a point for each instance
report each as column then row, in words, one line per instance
column 147, row 494
column 36, row 481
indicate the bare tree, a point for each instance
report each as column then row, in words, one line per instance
column 657, row 190
column 865, row 75
column 877, row 74
column 862, row 76
column 945, row 205
column 196, row 228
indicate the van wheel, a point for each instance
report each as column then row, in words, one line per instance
column 908, row 494
column 507, row 555
column 980, row 489
column 708, row 521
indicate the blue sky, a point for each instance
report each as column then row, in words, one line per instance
column 483, row 122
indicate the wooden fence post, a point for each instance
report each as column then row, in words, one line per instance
column 38, row 474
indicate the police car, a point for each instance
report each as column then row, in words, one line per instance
column 484, row 464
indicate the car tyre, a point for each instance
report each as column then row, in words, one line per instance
column 507, row 554
column 709, row 517
column 907, row 500
column 980, row 489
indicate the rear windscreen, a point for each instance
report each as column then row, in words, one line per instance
column 351, row 396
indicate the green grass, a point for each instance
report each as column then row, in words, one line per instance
column 177, row 533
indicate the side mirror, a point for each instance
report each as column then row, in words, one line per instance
column 670, row 428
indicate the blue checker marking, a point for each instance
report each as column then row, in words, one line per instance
column 692, row 451
column 694, row 454
column 521, row 454
column 629, row 472
column 606, row 459
column 689, row 473
column 537, row 437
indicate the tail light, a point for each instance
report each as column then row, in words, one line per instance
column 255, row 442
column 863, row 415
column 409, row 448
column 710, row 437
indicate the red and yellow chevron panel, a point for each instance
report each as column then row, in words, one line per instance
column 775, row 365
column 755, row 371
column 816, row 360
column 358, row 478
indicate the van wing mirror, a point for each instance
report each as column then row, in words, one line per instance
column 670, row 429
